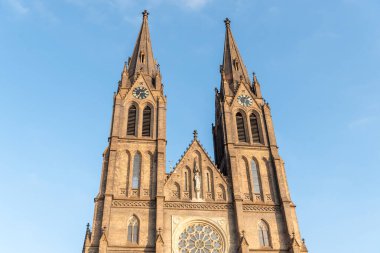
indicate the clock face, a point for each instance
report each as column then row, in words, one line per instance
column 140, row 93
column 245, row 100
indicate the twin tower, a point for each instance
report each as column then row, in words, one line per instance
column 239, row 203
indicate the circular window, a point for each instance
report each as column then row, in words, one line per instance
column 200, row 238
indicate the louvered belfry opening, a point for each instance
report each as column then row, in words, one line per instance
column 240, row 127
column 131, row 126
column 255, row 129
column 146, row 121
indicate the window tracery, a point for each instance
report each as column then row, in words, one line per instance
column 133, row 230
column 200, row 238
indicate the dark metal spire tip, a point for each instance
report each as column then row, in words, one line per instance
column 227, row 21
column 145, row 13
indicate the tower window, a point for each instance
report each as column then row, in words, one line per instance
column 236, row 65
column 146, row 121
column 136, row 171
column 256, row 178
column 142, row 57
column 240, row 127
column 131, row 126
column 254, row 129
column 133, row 230
column 263, row 230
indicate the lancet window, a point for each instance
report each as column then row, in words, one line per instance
column 133, row 230
column 136, row 171
column 240, row 127
column 131, row 126
column 263, row 230
column 146, row 125
column 254, row 129
column 255, row 178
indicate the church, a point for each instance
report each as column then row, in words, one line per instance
column 238, row 203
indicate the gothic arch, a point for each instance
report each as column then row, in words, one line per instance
column 255, row 127
column 256, row 178
column 264, row 234
column 176, row 192
column 147, row 124
column 241, row 126
column 221, row 193
column 187, row 182
column 136, row 171
column 245, row 179
column 198, row 156
column 133, row 229
column 209, row 183
column 132, row 119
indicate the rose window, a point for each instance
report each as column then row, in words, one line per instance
column 200, row 238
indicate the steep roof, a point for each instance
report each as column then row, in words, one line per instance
column 142, row 59
column 233, row 65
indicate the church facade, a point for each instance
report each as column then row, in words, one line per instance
column 239, row 203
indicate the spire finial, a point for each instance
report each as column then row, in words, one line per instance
column 145, row 13
column 88, row 226
column 227, row 21
column 195, row 133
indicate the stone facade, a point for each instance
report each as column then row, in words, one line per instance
column 240, row 203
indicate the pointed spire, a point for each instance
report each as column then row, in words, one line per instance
column 142, row 60
column 87, row 239
column 124, row 76
column 233, row 69
column 256, row 86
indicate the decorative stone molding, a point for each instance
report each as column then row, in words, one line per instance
column 182, row 226
column 258, row 197
column 260, row 208
column 199, row 206
column 135, row 193
column 128, row 203
column 186, row 195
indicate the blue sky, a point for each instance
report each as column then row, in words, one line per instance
column 317, row 62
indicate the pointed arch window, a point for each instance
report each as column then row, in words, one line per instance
column 131, row 126
column 186, row 182
column 240, row 127
column 136, row 171
column 142, row 57
column 208, row 182
column 263, row 230
column 255, row 178
column 255, row 129
column 146, row 125
column 133, row 230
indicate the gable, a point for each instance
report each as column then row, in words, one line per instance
column 140, row 83
column 196, row 178
column 245, row 91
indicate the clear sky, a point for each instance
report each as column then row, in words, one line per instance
column 317, row 62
